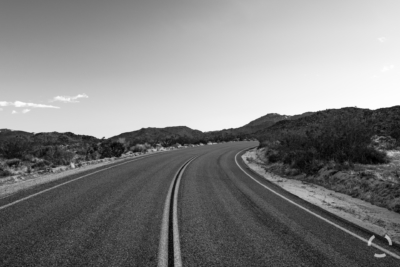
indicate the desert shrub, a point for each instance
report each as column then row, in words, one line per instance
column 57, row 155
column 16, row 147
column 340, row 139
column 13, row 162
column 92, row 152
column 138, row 148
column 111, row 149
column 369, row 155
column 4, row 172
column 117, row 149
column 273, row 158
column 395, row 205
column 41, row 164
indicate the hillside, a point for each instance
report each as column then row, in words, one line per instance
column 6, row 134
column 384, row 121
column 46, row 138
column 350, row 150
column 341, row 136
column 267, row 121
column 177, row 134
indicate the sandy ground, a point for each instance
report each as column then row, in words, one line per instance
column 376, row 219
column 11, row 185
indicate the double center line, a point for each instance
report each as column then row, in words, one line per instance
column 169, row 250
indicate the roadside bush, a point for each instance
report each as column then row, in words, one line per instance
column 138, row 148
column 111, row 149
column 273, row 158
column 117, row 149
column 16, row 147
column 13, row 162
column 57, row 155
column 4, row 172
column 41, row 164
column 339, row 139
column 92, row 152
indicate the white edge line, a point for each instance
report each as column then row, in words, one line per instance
column 70, row 181
column 316, row 215
column 177, row 245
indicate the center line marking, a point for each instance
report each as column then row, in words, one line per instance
column 163, row 257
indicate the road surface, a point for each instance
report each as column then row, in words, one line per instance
column 190, row 207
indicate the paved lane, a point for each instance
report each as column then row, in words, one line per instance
column 111, row 218
column 227, row 219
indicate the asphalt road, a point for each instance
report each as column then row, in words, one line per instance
column 224, row 218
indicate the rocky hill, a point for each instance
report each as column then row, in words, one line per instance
column 47, row 138
column 267, row 121
column 177, row 134
column 384, row 121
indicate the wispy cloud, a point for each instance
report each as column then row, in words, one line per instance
column 1, row 109
column 382, row 39
column 25, row 110
column 69, row 99
column 19, row 104
column 387, row 68
column 14, row 112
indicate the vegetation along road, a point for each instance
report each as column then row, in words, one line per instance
column 192, row 207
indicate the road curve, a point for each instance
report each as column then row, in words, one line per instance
column 228, row 219
column 109, row 218
column 114, row 218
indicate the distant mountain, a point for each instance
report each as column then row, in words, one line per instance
column 384, row 121
column 183, row 134
column 157, row 135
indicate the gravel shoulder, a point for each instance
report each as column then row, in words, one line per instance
column 12, row 185
column 376, row 219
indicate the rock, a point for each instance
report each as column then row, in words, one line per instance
column 72, row 165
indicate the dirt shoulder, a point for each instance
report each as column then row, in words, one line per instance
column 376, row 219
column 13, row 184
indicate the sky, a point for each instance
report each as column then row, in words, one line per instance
column 101, row 68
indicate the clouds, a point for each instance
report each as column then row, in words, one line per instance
column 382, row 39
column 23, row 111
column 387, row 68
column 27, row 107
column 19, row 104
column 69, row 99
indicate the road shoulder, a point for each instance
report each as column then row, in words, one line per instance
column 376, row 219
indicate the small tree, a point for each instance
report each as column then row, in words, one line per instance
column 16, row 147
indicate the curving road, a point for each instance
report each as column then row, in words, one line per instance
column 123, row 216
